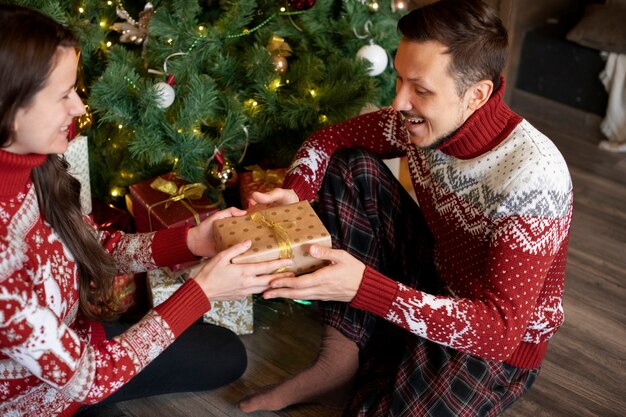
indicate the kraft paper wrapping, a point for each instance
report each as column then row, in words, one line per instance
column 234, row 315
column 299, row 224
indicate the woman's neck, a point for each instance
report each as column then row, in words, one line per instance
column 15, row 170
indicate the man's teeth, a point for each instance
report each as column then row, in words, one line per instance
column 415, row 120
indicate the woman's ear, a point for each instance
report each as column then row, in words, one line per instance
column 479, row 94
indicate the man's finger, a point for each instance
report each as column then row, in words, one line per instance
column 323, row 252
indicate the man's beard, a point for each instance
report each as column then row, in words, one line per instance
column 440, row 141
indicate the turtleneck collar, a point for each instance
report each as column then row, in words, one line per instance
column 15, row 171
column 484, row 129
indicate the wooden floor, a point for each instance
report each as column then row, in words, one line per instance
column 584, row 373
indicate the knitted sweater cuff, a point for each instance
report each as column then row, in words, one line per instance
column 376, row 293
column 169, row 247
column 301, row 187
column 184, row 307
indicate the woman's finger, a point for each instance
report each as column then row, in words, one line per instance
column 300, row 294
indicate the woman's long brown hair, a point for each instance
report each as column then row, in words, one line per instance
column 29, row 45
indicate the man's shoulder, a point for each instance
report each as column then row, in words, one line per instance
column 533, row 154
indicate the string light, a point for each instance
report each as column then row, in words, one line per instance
column 312, row 92
column 117, row 191
column 275, row 85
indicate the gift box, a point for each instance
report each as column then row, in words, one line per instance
column 109, row 218
column 124, row 289
column 77, row 155
column 258, row 179
column 233, row 315
column 168, row 201
column 277, row 232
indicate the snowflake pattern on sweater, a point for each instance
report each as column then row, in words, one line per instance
column 49, row 361
column 498, row 199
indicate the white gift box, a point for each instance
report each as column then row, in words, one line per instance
column 234, row 315
column 77, row 155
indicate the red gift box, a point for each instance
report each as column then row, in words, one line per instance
column 168, row 201
column 109, row 218
column 258, row 179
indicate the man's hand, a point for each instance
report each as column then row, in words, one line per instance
column 338, row 281
column 275, row 197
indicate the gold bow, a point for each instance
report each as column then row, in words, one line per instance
column 189, row 191
column 271, row 176
column 282, row 238
column 278, row 47
column 193, row 191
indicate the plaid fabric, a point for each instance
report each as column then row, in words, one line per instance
column 371, row 216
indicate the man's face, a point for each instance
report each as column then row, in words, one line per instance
column 426, row 94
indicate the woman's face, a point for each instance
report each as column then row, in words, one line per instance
column 42, row 127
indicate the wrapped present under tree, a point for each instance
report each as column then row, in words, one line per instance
column 168, row 201
column 234, row 315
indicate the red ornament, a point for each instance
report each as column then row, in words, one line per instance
column 301, row 4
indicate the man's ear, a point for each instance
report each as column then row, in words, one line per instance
column 479, row 93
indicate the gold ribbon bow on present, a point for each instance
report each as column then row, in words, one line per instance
column 189, row 191
column 271, row 176
column 193, row 191
column 282, row 238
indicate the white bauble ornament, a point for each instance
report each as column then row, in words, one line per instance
column 376, row 55
column 165, row 94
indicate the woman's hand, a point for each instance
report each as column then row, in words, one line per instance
column 222, row 280
column 275, row 197
column 200, row 239
column 338, row 281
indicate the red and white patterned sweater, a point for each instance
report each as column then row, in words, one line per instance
column 52, row 359
column 498, row 200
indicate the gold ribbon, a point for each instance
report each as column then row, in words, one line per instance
column 282, row 238
column 270, row 176
column 193, row 191
column 278, row 47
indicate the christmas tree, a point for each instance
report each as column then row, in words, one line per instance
column 204, row 87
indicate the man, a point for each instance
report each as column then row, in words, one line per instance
column 444, row 307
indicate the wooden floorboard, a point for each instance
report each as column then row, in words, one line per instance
column 584, row 373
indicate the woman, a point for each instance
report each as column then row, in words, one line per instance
column 56, row 270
